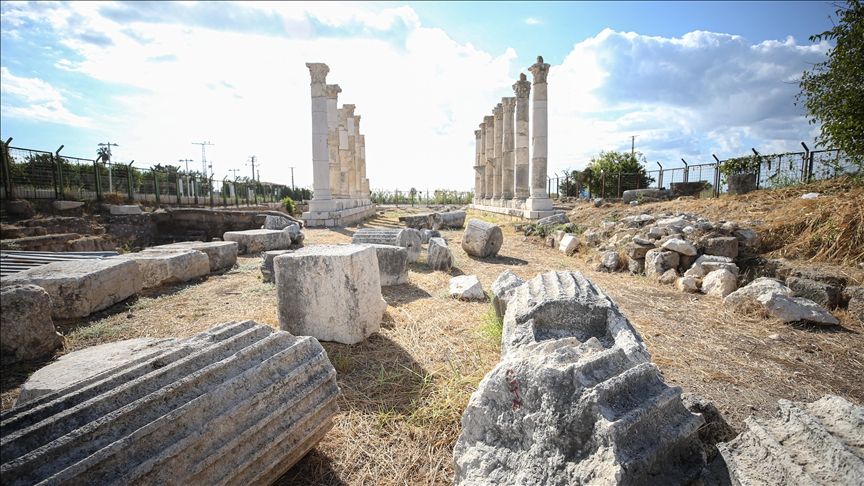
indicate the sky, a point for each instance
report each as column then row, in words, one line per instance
column 687, row 79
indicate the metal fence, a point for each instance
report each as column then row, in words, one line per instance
column 36, row 174
column 418, row 197
column 763, row 172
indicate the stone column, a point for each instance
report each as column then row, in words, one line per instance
column 344, row 161
column 498, row 145
column 509, row 105
column 365, row 181
column 354, row 144
column 522, row 88
column 539, row 200
column 489, row 172
column 332, row 92
column 321, row 197
column 478, row 184
column 481, row 162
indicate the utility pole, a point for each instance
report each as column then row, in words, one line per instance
column 109, row 145
column 292, row 178
column 188, row 182
column 203, row 155
column 235, row 171
column 252, row 161
column 633, row 144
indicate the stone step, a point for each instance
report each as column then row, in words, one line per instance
column 243, row 406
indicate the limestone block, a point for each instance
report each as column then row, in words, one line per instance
column 439, row 256
column 748, row 295
column 719, row 283
column 574, row 384
column 669, row 277
column 466, row 287
column 239, row 404
column 721, row 246
column 26, row 329
column 258, row 240
column 330, row 292
column 715, row 430
column 482, row 239
column 636, row 251
column 294, row 233
column 422, row 221
column 637, row 194
column 80, row 287
column 680, row 246
column 116, row 209
column 392, row 264
column 276, row 222
column 407, row 238
column 687, row 284
column 555, row 219
column 792, row 309
column 160, row 268
column 657, row 261
column 748, row 238
column 222, row 254
column 66, row 205
column 425, row 234
column 610, row 261
column 855, row 297
column 569, row 244
column 823, row 293
column 655, row 233
column 805, row 443
column 267, row 257
column 709, row 267
column 452, row 219
column 502, row 290
column 636, row 266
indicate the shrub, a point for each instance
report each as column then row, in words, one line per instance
column 289, row 205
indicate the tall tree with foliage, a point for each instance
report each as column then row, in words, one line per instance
column 833, row 91
column 608, row 165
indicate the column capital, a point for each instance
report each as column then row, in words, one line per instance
column 477, row 134
column 498, row 111
column 539, row 70
column 488, row 120
column 349, row 110
column 482, row 126
column 332, row 91
column 522, row 88
column 318, row 71
column 509, row 104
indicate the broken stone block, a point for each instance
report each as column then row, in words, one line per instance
column 439, row 256
column 258, row 240
column 658, row 261
column 160, row 268
column 26, row 329
column 805, row 443
column 66, row 205
column 824, row 294
column 669, row 277
column 330, row 292
column 569, row 244
column 555, row 219
column 855, row 298
column 482, row 239
column 116, row 209
column 715, row 430
column 719, row 283
column 275, row 222
column 610, row 262
column 222, row 254
column 267, row 257
column 748, row 295
column 574, row 384
column 636, row 250
column 792, row 309
column 726, row 246
column 452, row 219
column 407, row 238
column 294, row 232
column 687, row 284
column 466, row 287
column 636, row 266
column 79, row 288
column 709, row 267
column 748, row 239
column 680, row 246
column 425, row 234
column 392, row 264
column 420, row 221
column 239, row 404
column 502, row 290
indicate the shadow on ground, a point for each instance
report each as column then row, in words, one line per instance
column 397, row 295
column 314, row 469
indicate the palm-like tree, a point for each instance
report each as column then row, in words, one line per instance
column 103, row 154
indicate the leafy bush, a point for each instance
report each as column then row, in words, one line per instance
column 289, row 205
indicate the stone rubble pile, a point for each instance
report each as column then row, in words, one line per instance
column 574, row 399
column 238, row 404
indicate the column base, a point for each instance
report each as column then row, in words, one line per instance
column 322, row 205
column 538, row 204
column 339, row 217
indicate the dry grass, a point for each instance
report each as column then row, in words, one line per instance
column 404, row 389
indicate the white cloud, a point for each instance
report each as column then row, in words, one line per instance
column 533, row 21
column 35, row 99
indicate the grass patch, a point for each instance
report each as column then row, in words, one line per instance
column 491, row 327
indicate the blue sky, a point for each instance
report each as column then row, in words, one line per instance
column 688, row 78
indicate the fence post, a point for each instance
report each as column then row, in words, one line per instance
column 619, row 184
column 6, row 161
column 97, row 179
column 716, row 176
column 58, row 191
column 660, row 177
column 210, row 185
column 129, row 182
column 236, row 196
column 602, row 184
column 156, row 185
column 758, row 167
column 686, row 171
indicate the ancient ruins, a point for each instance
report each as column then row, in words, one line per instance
column 340, row 187
column 506, row 178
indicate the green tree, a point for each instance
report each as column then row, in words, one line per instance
column 604, row 170
column 833, row 91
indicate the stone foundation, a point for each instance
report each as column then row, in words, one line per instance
column 339, row 217
column 513, row 208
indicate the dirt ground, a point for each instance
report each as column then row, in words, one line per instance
column 404, row 389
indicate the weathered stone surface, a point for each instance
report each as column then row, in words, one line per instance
column 640, row 194
column 222, row 254
column 18, row 209
column 452, row 219
column 439, row 256
column 124, row 209
column 680, row 246
column 392, row 264
column 66, row 205
column 748, row 295
column 856, row 302
column 637, row 251
column 80, row 287
column 425, row 234
column 276, row 222
column 792, row 309
column 715, row 430
column 160, row 268
column 636, row 266
column 258, row 240
column 824, row 294
column 555, row 219
column 422, row 221
column 709, row 267
column 687, row 284
column 26, row 329
column 482, row 239
column 805, row 443
column 294, row 232
column 719, row 283
column 466, row 287
column 81, row 367
column 720, row 246
column 669, row 277
column 748, row 239
column 239, row 404
column 574, row 399
column 330, row 292
column 267, row 274
column 407, row 238
column 610, row 262
column 657, row 261
column 569, row 244
column 502, row 290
